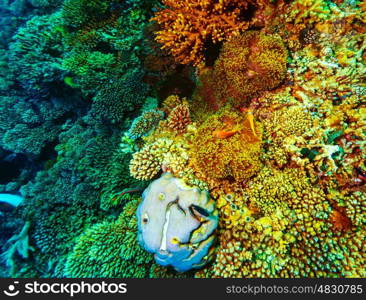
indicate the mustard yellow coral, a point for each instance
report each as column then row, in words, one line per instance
column 226, row 147
column 248, row 64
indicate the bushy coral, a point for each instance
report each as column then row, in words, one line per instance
column 226, row 146
column 36, row 53
column 29, row 125
column 281, row 225
column 283, row 122
column 120, row 96
column 111, row 250
column 277, row 137
column 117, row 184
column 80, row 12
column 248, row 64
column 46, row 3
column 188, row 27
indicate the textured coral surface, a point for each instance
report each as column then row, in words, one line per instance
column 255, row 110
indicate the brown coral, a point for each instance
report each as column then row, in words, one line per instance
column 189, row 25
column 247, row 65
column 179, row 118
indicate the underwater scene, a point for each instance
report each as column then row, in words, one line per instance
column 182, row 138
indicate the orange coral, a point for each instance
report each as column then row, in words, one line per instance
column 248, row 64
column 188, row 26
column 179, row 118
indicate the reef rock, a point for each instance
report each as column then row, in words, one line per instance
column 177, row 223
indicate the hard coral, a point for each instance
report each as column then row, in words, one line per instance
column 143, row 124
column 179, row 118
column 188, row 26
column 247, row 65
column 145, row 164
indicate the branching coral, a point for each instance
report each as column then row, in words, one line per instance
column 121, row 95
column 37, row 67
column 189, row 26
column 163, row 154
column 179, row 118
column 145, row 164
column 17, row 244
column 78, row 13
column 29, row 125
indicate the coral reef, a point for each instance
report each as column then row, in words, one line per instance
column 226, row 146
column 241, row 123
column 29, row 125
column 145, row 164
column 145, row 123
column 112, row 245
column 36, row 54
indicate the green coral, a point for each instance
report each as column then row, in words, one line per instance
column 111, row 250
column 28, row 126
column 36, row 53
column 121, row 95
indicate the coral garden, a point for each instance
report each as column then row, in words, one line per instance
column 186, row 138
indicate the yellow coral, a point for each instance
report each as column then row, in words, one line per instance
column 248, row 64
column 145, row 164
column 225, row 148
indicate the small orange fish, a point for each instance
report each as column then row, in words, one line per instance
column 224, row 134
